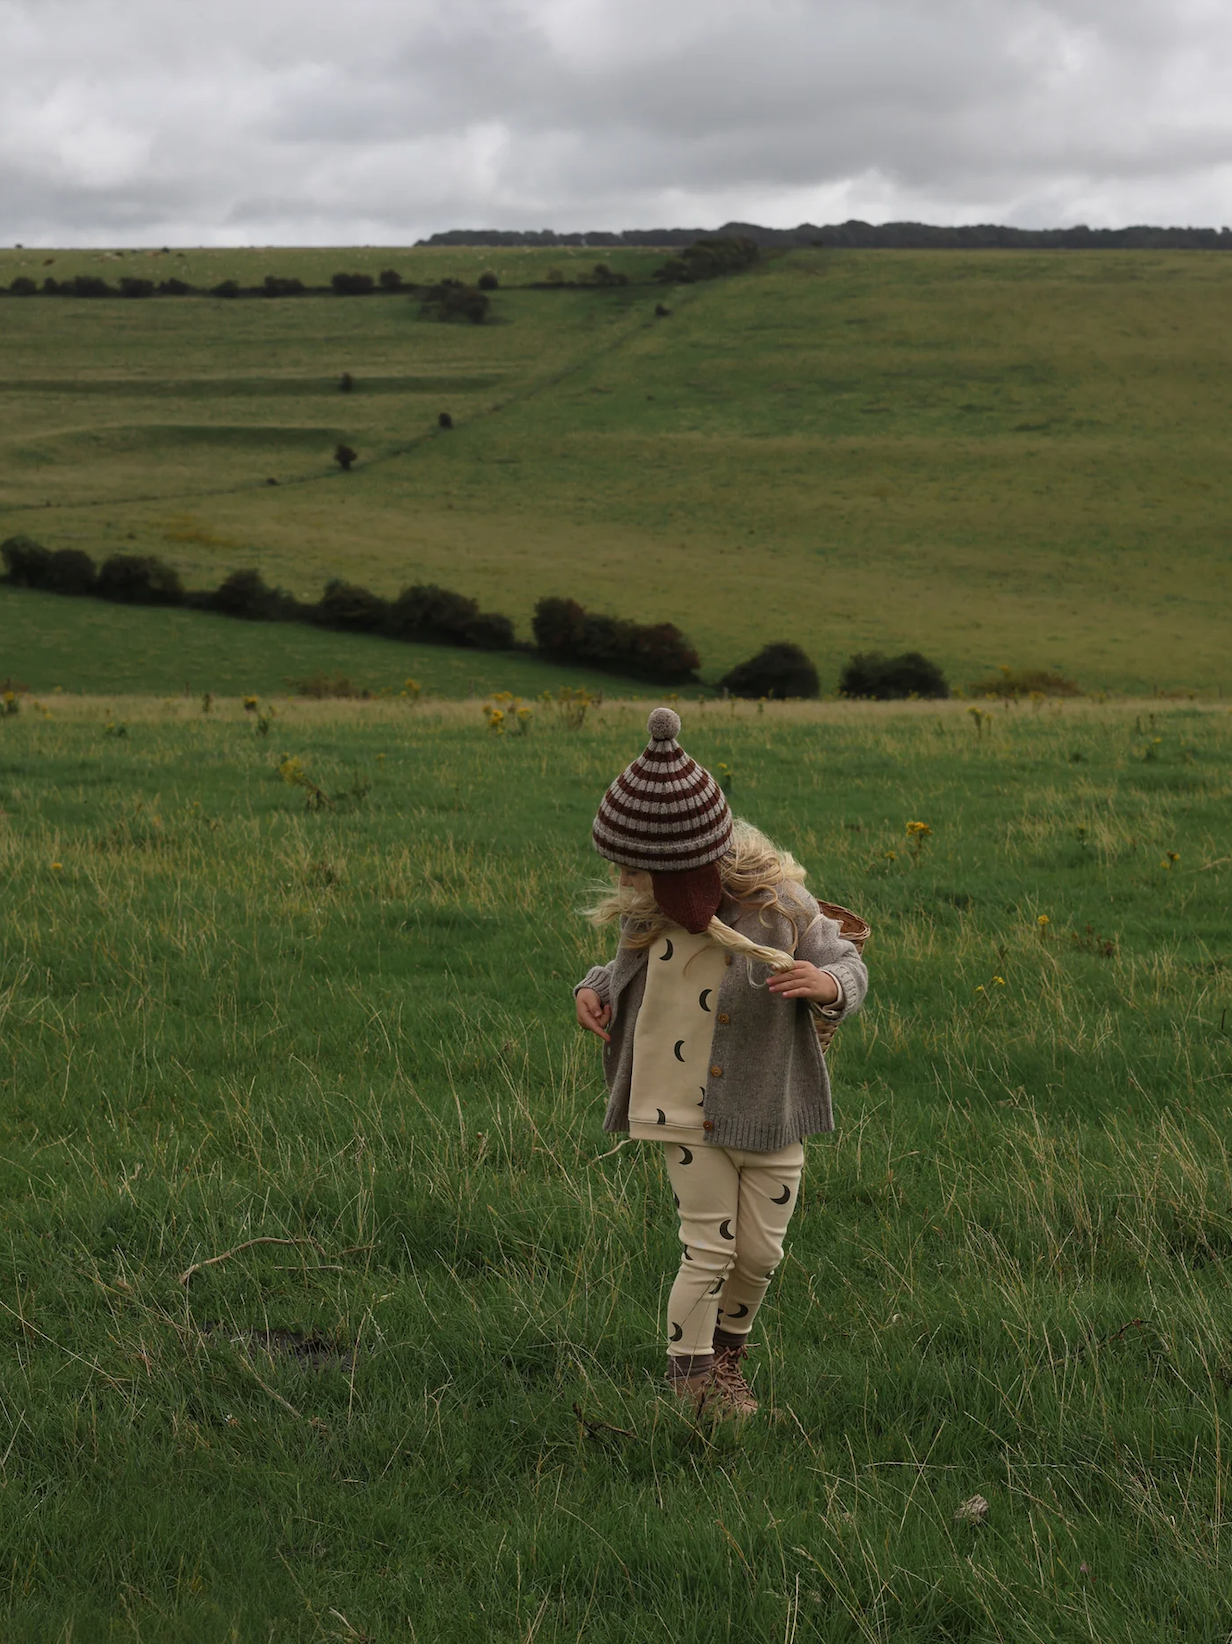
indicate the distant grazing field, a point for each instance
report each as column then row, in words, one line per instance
column 429, row 1409
column 1016, row 458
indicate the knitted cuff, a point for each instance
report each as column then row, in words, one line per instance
column 598, row 979
column 680, row 1366
column 729, row 1338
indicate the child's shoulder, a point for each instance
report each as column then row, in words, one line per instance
column 800, row 903
column 791, row 903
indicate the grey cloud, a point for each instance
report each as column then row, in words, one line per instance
column 390, row 118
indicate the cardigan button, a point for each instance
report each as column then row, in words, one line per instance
column 727, row 958
column 724, row 1018
column 707, row 1124
column 716, row 1072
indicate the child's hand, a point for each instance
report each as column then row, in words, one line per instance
column 804, row 981
column 592, row 1013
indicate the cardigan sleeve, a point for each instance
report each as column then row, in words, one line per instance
column 823, row 945
column 598, row 978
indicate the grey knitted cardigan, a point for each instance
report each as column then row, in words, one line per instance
column 768, row 1085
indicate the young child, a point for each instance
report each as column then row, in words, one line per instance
column 706, row 1014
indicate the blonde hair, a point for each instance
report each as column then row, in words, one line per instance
column 752, row 871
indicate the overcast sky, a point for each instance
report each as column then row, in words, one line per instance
column 198, row 122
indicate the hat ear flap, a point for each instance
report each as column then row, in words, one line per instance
column 690, row 898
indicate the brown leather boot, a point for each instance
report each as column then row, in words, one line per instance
column 692, row 1382
column 734, row 1392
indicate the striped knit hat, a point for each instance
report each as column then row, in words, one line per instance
column 667, row 815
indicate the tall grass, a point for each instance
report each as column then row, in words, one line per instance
column 228, row 1018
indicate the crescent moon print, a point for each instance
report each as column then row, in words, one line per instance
column 715, row 1288
column 740, row 1312
column 702, row 1088
column 703, row 996
column 677, row 1332
column 784, row 1196
column 670, row 950
column 686, row 1156
column 677, row 1054
column 687, row 1257
column 662, row 1119
column 725, row 1231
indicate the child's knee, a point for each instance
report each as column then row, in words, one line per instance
column 699, row 1252
column 758, row 1252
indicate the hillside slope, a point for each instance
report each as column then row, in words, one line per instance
column 997, row 457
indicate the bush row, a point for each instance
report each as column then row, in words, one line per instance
column 274, row 285
column 433, row 615
column 453, row 298
column 565, row 632
column 657, row 654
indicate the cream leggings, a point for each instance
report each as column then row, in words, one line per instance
column 734, row 1209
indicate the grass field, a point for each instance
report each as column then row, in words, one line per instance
column 228, row 1018
column 1013, row 458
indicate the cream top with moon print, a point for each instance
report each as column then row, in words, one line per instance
column 673, row 1036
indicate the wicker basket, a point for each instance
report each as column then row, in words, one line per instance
column 857, row 932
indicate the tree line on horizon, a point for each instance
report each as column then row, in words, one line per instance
column 858, row 235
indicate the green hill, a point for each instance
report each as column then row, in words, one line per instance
column 1000, row 457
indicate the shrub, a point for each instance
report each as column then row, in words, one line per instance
column 439, row 616
column 245, row 594
column 488, row 282
column 228, row 288
column 390, row 280
column 708, row 259
column 139, row 579
column 277, row 285
column 658, row 652
column 26, row 562
column 489, row 631
column 455, row 301
column 60, row 571
column 444, row 420
column 344, row 456
column 346, row 382
column 353, row 609
column 1025, row 682
column 130, row 287
column 888, row 678
column 353, row 285
column 23, row 286
column 51, row 287
column 87, row 285
column 71, row 572
column 605, row 276
column 777, row 671
column 559, row 626
column 175, row 288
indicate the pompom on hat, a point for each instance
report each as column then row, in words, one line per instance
column 666, row 815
